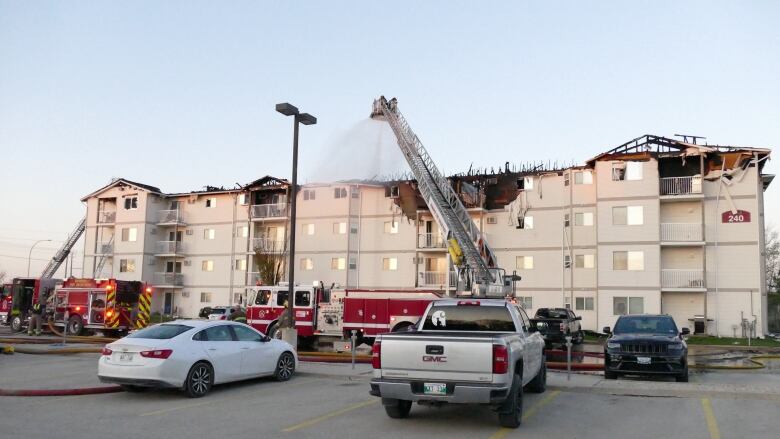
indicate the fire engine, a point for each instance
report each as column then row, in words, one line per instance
column 26, row 291
column 334, row 313
column 6, row 301
column 105, row 305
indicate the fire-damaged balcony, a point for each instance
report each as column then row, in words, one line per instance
column 106, row 217
column 680, row 187
column 104, row 248
column 168, row 280
column 268, row 245
column 173, row 217
column 261, row 212
column 682, row 280
column 681, row 234
column 169, row 249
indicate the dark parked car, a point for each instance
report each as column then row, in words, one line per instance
column 646, row 345
column 556, row 323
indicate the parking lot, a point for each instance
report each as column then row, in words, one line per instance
column 328, row 401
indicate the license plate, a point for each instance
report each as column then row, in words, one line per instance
column 643, row 360
column 125, row 357
column 435, row 389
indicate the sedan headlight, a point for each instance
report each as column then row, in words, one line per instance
column 613, row 345
column 675, row 347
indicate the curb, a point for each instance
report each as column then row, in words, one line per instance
column 61, row 392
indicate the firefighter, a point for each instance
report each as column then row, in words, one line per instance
column 36, row 319
column 285, row 320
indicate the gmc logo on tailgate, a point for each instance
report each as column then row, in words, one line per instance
column 434, row 359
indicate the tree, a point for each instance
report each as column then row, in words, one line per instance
column 772, row 260
column 269, row 258
column 2, row 276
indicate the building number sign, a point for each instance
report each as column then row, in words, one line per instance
column 740, row 216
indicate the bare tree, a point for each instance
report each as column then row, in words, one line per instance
column 270, row 256
column 2, row 276
column 772, row 260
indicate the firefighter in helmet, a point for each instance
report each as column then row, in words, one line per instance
column 36, row 319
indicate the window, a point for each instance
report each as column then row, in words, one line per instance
column 355, row 192
column 633, row 170
column 243, row 199
column 619, row 216
column 207, row 265
column 245, row 333
column 281, row 297
column 242, row 231
column 127, row 265
column 391, row 227
column 524, row 262
column 129, row 234
column 583, row 219
column 492, row 220
column 566, row 178
column 527, row 302
column 352, row 264
column 389, row 264
column 583, row 177
column 353, row 228
column 219, row 333
column 240, row 264
column 632, row 261
column 618, row 171
column 468, row 318
column 628, row 305
column 302, row 298
column 566, row 261
column 211, row 202
column 262, row 298
column 339, row 192
column 209, row 233
column 391, row 191
column 338, row 263
column 525, row 184
column 131, row 203
column 584, row 261
column 583, row 304
column 340, row 228
column 205, row 297
column 525, row 222
column 628, row 215
column 165, row 331
column 307, row 229
column 566, row 220
column 307, row 264
column 173, row 267
column 308, row 194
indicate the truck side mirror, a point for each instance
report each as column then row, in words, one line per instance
column 578, row 318
column 606, row 330
column 685, row 331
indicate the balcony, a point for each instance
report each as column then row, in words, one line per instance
column 253, row 278
column 173, row 217
column 681, row 187
column 432, row 279
column 106, row 217
column 268, row 245
column 168, row 280
column 105, row 248
column 681, row 234
column 265, row 211
column 169, row 248
column 682, row 280
column 430, row 241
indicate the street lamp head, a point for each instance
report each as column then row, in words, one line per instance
column 287, row 109
column 307, row 119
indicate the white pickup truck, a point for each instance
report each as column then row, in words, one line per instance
column 462, row 351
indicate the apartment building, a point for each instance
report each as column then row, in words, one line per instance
column 653, row 226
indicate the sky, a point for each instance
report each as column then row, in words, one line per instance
column 181, row 94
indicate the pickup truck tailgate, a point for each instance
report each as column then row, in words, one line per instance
column 457, row 357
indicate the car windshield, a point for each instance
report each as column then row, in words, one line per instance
column 646, row 325
column 469, row 318
column 546, row 313
column 218, row 310
column 160, row 332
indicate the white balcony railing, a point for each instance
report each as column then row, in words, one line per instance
column 681, row 185
column 430, row 240
column 169, row 247
column 681, row 278
column 268, row 245
column 108, row 216
column 169, row 279
column 278, row 210
column 174, row 216
column 105, row 248
column 252, row 278
column 681, row 232
column 433, row 278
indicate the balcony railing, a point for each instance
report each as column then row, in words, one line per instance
column 681, row 232
column 278, row 210
column 174, row 216
column 681, row 278
column 108, row 216
column 105, row 248
column 430, row 240
column 252, row 278
column 268, row 245
column 169, row 247
column 169, row 279
column 681, row 185
column 433, row 278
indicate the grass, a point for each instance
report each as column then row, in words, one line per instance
column 730, row 341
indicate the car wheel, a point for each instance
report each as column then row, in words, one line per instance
column 274, row 331
column 580, row 338
column 132, row 389
column 397, row 408
column 75, row 325
column 510, row 413
column 682, row 378
column 610, row 375
column 539, row 383
column 285, row 367
column 16, row 324
column 199, row 380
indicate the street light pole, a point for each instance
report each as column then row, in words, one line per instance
column 29, row 255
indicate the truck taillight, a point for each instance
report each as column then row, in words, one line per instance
column 376, row 356
column 468, row 303
column 500, row 359
column 222, row 317
column 160, row 353
column 106, row 351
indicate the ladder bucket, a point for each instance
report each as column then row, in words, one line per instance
column 376, row 109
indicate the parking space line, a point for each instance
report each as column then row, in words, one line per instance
column 327, row 416
column 528, row 413
column 709, row 415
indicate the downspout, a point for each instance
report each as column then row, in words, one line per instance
column 232, row 248
column 704, row 239
column 570, row 242
column 717, row 240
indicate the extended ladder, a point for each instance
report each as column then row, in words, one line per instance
column 444, row 204
column 64, row 251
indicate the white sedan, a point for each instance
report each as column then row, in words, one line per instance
column 193, row 355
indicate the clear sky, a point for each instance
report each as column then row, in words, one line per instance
column 181, row 94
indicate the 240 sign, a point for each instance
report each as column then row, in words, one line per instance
column 740, row 216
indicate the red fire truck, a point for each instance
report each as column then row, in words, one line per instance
column 6, row 299
column 326, row 312
column 107, row 305
column 25, row 292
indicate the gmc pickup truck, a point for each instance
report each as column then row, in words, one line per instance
column 462, row 351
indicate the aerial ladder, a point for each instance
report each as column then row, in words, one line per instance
column 478, row 274
column 64, row 251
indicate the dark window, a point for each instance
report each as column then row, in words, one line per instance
column 281, row 297
column 200, row 336
column 469, row 318
column 263, row 296
column 645, row 325
column 552, row 313
column 219, row 333
column 245, row 333
column 302, row 298
column 160, row 332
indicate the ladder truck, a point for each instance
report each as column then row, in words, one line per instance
column 476, row 264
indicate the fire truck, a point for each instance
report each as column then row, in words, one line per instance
column 107, row 305
column 334, row 313
column 6, row 301
column 26, row 291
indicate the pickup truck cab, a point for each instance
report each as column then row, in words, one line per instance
column 464, row 352
column 556, row 323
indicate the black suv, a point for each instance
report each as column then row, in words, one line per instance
column 646, row 345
